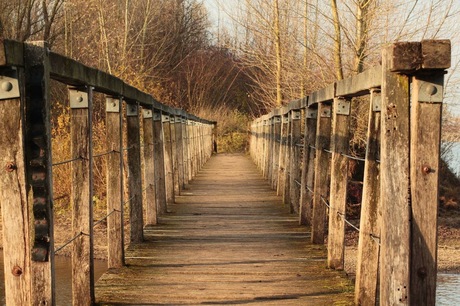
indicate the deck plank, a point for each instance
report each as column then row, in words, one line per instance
column 227, row 240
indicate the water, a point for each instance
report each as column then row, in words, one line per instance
column 453, row 159
column 63, row 278
column 447, row 293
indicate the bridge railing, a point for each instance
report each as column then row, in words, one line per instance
column 303, row 150
column 175, row 145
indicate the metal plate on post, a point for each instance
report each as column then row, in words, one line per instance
column 430, row 92
column 326, row 111
column 132, row 110
column 295, row 115
column 343, row 107
column 164, row 118
column 9, row 88
column 156, row 116
column 147, row 113
column 277, row 119
column 312, row 113
column 78, row 98
column 112, row 105
column 377, row 102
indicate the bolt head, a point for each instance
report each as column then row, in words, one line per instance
column 431, row 90
column 79, row 99
column 7, row 86
column 17, row 271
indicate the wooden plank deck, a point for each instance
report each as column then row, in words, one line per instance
column 228, row 240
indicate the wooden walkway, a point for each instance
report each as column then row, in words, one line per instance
column 228, row 240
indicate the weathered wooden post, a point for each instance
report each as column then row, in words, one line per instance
column 134, row 174
column 168, row 159
column 185, row 149
column 369, row 235
column 410, row 148
column 149, row 168
column 295, row 169
column 174, row 153
column 179, row 153
column 82, row 198
column 266, row 141
column 115, row 233
column 339, row 181
column 159, row 162
column 321, row 164
column 25, row 184
column 270, row 144
column 282, row 147
column 276, row 149
column 287, row 157
column 308, row 168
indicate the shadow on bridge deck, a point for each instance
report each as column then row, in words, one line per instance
column 227, row 240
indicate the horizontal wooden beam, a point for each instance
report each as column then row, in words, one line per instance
column 360, row 84
column 323, row 95
column 74, row 73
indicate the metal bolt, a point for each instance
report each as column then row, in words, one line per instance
column 426, row 169
column 7, row 86
column 114, row 104
column 17, row 271
column 10, row 167
column 431, row 90
column 79, row 99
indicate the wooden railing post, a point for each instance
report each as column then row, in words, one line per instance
column 180, row 152
column 149, row 168
column 82, row 208
column 270, row 146
column 266, row 142
column 26, row 180
column 115, row 233
column 308, row 168
column 339, row 181
column 283, row 143
column 168, row 159
column 426, row 113
column 276, row 150
column 294, row 167
column 369, row 235
column 287, row 157
column 159, row 163
column 174, row 153
column 134, row 174
column 185, row 150
column 321, row 173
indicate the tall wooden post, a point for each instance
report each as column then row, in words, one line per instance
column 26, row 180
column 136, row 215
column 82, row 199
column 180, row 153
column 149, row 168
column 115, row 233
column 369, row 235
column 339, row 180
column 270, row 145
column 294, row 167
column 282, row 147
column 168, row 159
column 308, row 169
column 159, row 160
column 426, row 112
column 287, row 164
column 321, row 173
column 276, row 150
column 174, row 154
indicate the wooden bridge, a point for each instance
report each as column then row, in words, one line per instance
column 210, row 230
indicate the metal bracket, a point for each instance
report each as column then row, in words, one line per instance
column 172, row 119
column 156, row 116
column 277, row 119
column 112, row 105
column 78, row 99
column 184, row 121
column 343, row 107
column 147, row 113
column 164, row 118
column 312, row 113
column 295, row 115
column 132, row 110
column 377, row 102
column 286, row 119
column 326, row 111
column 430, row 92
column 9, row 88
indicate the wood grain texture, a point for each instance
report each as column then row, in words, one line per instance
column 369, row 248
column 136, row 211
column 322, row 162
column 149, row 173
column 295, row 169
column 308, row 172
column 115, row 242
column 234, row 245
column 338, row 188
column 425, row 163
column 394, row 184
column 159, row 167
column 168, row 163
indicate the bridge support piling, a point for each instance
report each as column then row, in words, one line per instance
column 115, row 232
